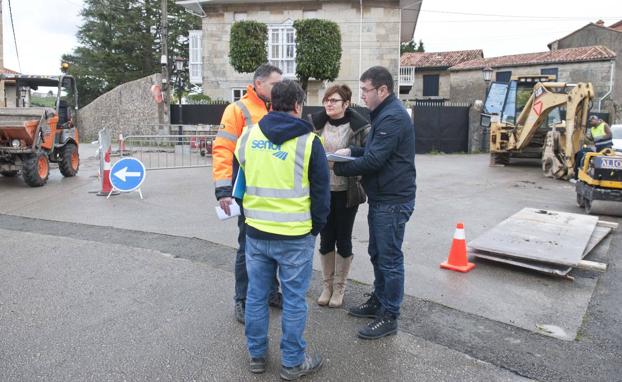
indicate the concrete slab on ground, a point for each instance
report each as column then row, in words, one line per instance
column 451, row 188
column 86, row 310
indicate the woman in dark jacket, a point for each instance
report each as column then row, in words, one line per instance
column 340, row 127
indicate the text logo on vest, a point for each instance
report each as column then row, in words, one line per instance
column 258, row 144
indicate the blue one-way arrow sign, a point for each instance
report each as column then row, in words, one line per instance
column 127, row 174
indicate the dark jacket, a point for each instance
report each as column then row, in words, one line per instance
column 280, row 127
column 387, row 162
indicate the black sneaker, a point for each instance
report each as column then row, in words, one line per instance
column 311, row 364
column 378, row 328
column 276, row 300
column 369, row 309
column 239, row 311
column 258, row 365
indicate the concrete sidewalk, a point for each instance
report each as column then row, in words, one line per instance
column 79, row 310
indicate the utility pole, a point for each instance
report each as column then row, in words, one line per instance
column 2, row 95
column 164, row 61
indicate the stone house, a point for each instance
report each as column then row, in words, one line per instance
column 8, row 89
column 371, row 33
column 584, row 64
column 425, row 75
column 610, row 37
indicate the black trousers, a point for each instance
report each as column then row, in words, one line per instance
column 338, row 229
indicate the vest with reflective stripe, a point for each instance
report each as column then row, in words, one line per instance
column 598, row 132
column 277, row 197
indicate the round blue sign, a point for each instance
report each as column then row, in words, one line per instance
column 127, row 174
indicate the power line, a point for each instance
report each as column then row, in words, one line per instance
column 515, row 16
column 19, row 64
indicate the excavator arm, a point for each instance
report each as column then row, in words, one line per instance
column 563, row 141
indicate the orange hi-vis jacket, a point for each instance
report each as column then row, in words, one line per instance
column 234, row 120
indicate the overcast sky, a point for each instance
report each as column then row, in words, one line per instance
column 45, row 29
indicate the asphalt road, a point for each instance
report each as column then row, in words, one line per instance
column 130, row 289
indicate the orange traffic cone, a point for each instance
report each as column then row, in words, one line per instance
column 105, row 177
column 457, row 260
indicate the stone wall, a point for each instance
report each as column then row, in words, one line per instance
column 129, row 109
column 444, row 85
column 381, row 31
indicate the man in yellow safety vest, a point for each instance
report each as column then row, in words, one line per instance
column 286, row 204
column 601, row 133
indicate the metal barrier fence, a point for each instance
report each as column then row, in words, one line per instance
column 170, row 149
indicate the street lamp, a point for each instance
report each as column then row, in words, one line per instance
column 485, row 117
column 23, row 93
column 179, row 68
column 487, row 73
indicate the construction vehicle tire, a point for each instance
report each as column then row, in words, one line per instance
column 580, row 200
column 36, row 169
column 70, row 161
column 9, row 174
column 588, row 206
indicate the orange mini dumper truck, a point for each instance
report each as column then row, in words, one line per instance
column 33, row 136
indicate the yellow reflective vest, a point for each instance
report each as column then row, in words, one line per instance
column 276, row 199
column 598, row 132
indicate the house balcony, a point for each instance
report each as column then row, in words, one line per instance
column 406, row 79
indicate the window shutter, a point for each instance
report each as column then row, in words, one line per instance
column 196, row 58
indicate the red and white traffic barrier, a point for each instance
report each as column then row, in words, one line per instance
column 121, row 144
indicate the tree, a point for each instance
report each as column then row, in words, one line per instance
column 408, row 47
column 120, row 42
column 420, row 48
column 247, row 47
column 318, row 50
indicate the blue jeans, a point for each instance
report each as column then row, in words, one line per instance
column 293, row 260
column 241, row 278
column 386, row 234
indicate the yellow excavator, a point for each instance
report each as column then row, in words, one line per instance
column 549, row 122
column 537, row 117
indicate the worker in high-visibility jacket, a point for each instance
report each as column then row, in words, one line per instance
column 600, row 133
column 245, row 112
column 286, row 203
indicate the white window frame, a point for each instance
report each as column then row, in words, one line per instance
column 242, row 92
column 239, row 16
column 281, row 51
column 195, row 56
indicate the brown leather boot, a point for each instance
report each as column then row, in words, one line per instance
column 342, row 268
column 328, row 274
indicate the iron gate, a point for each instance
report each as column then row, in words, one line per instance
column 441, row 126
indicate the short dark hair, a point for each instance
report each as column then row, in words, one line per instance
column 264, row 71
column 343, row 90
column 378, row 75
column 286, row 94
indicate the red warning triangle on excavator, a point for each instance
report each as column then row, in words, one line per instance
column 537, row 107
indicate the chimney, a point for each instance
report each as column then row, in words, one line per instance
column 600, row 23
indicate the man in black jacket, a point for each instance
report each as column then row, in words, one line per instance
column 387, row 164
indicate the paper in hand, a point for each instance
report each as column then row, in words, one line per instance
column 234, row 208
column 339, row 158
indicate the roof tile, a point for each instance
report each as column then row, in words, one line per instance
column 438, row 60
column 582, row 54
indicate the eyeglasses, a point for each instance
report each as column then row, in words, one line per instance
column 332, row 101
column 365, row 91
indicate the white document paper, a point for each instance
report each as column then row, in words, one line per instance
column 339, row 158
column 234, row 208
